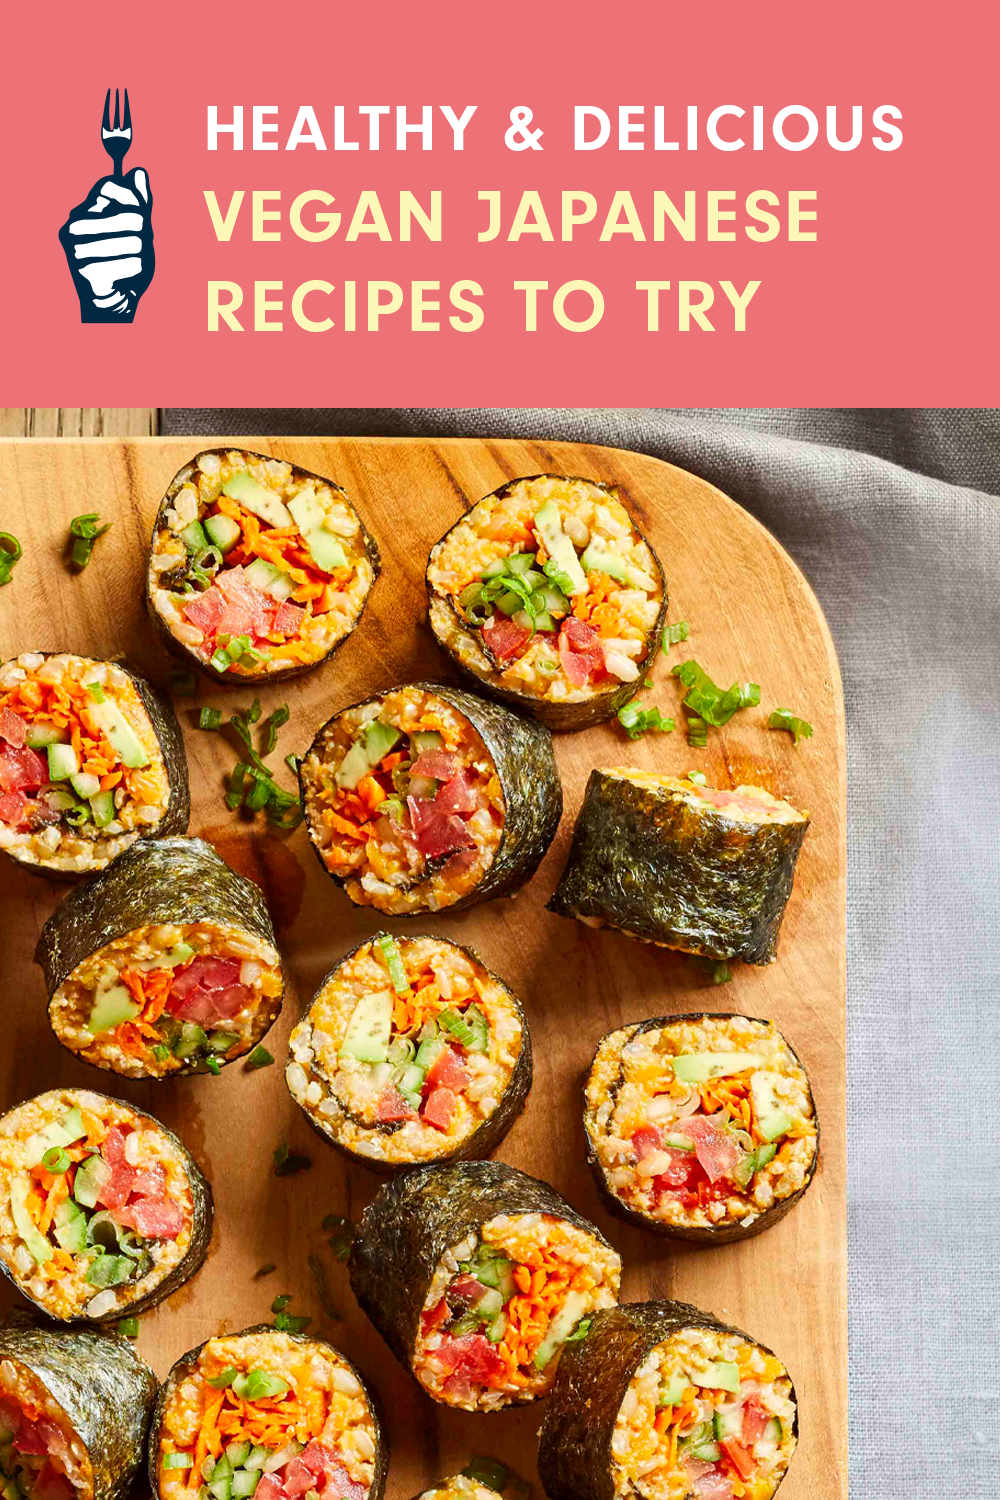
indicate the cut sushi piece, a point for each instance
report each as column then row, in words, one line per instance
column 459, row 1487
column 477, row 1276
column 681, row 865
column 663, row 1402
column 259, row 569
column 91, row 759
column 700, row 1127
column 412, row 1051
column 426, row 797
column 102, row 1210
column 548, row 595
column 75, row 1406
column 268, row 1414
column 165, row 964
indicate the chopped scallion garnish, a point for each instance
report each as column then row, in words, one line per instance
column 697, row 732
column 210, row 718
column 213, row 1065
column 95, row 691
column 672, row 634
column 128, row 1328
column 271, row 726
column 84, row 531
column 783, row 718
column 281, row 1302
column 698, row 777
column 260, row 1058
column 707, row 701
column 286, row 1165
column 56, row 1161
column 10, row 553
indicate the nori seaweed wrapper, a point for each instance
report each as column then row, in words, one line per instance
column 202, row 1220
column 592, row 1379
column 174, row 880
column 187, row 1361
column 724, row 1233
column 492, row 1131
column 416, row 1217
column 105, row 1389
column 645, row 861
column 171, row 742
column 522, row 754
column 583, row 712
column 190, row 654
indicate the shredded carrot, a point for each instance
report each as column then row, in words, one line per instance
column 57, row 1192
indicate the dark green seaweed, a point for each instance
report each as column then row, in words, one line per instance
column 156, row 881
column 593, row 1377
column 420, row 1214
column 102, row 1385
column 645, row 861
column 202, row 1219
column 171, row 743
column 190, row 654
column 579, row 715
column 525, row 765
column 718, row 1234
column 492, row 1131
column 187, row 1361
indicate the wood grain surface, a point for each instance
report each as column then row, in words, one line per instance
column 752, row 615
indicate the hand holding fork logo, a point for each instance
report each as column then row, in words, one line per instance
column 108, row 238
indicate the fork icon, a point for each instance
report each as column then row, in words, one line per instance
column 108, row 238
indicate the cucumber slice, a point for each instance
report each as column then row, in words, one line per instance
column 85, row 784
column 260, row 574
column 222, row 531
column 193, row 536
column 40, row 736
column 426, row 739
column 369, row 1029
column 63, row 762
column 102, row 808
column 520, row 562
column 90, row 1177
column 70, row 1227
column 263, row 502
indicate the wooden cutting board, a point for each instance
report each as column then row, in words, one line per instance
column 752, row 615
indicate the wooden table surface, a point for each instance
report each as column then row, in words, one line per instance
column 752, row 615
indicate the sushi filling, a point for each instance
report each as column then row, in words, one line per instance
column 406, row 1051
column 702, row 1122
column 503, row 1304
column 707, row 1416
column 81, row 772
column 547, row 589
column 257, row 567
column 747, row 804
column 41, row 1458
column 268, row 1416
column 461, row 1487
column 95, row 1207
column 168, row 998
column 404, row 803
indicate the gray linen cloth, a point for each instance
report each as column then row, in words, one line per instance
column 905, row 558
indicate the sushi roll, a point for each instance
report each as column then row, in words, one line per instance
column 91, row 759
column 103, row 1212
column 163, row 965
column 477, row 1276
column 681, row 865
column 663, row 1402
column 259, row 569
column 75, row 1406
column 700, row 1127
column 459, row 1487
column 548, row 595
column 268, row 1414
column 412, row 1051
column 426, row 797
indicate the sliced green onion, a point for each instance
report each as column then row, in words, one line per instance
column 237, row 777
column 95, row 690
column 225, row 1377
column 264, row 1270
column 281, row 1302
column 783, row 718
column 128, row 1328
column 394, row 963
column 271, row 726
column 293, row 762
column 580, row 1331
column 10, row 553
column 160, row 1052
column 286, row 1165
column 287, row 1323
column 698, row 777
column 672, row 634
column 718, row 969
column 178, row 1460
column 697, row 732
column 260, row 1058
column 56, row 1161
column 709, row 702
column 637, row 721
column 213, row 1065
column 84, row 532
column 210, row 718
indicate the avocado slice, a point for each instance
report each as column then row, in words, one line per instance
column 91, row 1175
column 37, row 1244
column 673, row 1392
column 369, row 1029
column 121, row 736
column 564, row 1322
column 182, row 954
column 70, row 1227
column 324, row 548
column 699, row 1067
column 548, row 524
column 354, row 765
column 113, row 1004
column 263, row 502
column 723, row 1375
column 598, row 559
column 379, row 740
column 772, row 1119
column 426, row 739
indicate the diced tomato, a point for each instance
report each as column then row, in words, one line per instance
column 210, row 973
column 438, row 1108
column 268, row 1488
column 645, row 1141
column 151, row 1182
column 314, row 1465
column 437, row 1315
column 580, row 651
column 473, row 1355
column 503, row 639
column 22, row 770
column 447, row 1072
column 717, row 1152
column 12, row 728
column 210, row 1007
column 465, row 1290
column 114, row 1193
column 755, row 1418
column 456, row 796
column 440, row 764
column 683, row 1171
column 729, row 799
column 13, row 808
column 297, row 1477
column 740, row 1458
column 713, row 1486
column 206, row 610
column 288, row 618
column 392, row 1106
column 29, row 1440
column 437, row 832
column 51, row 1485
column 153, row 1220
